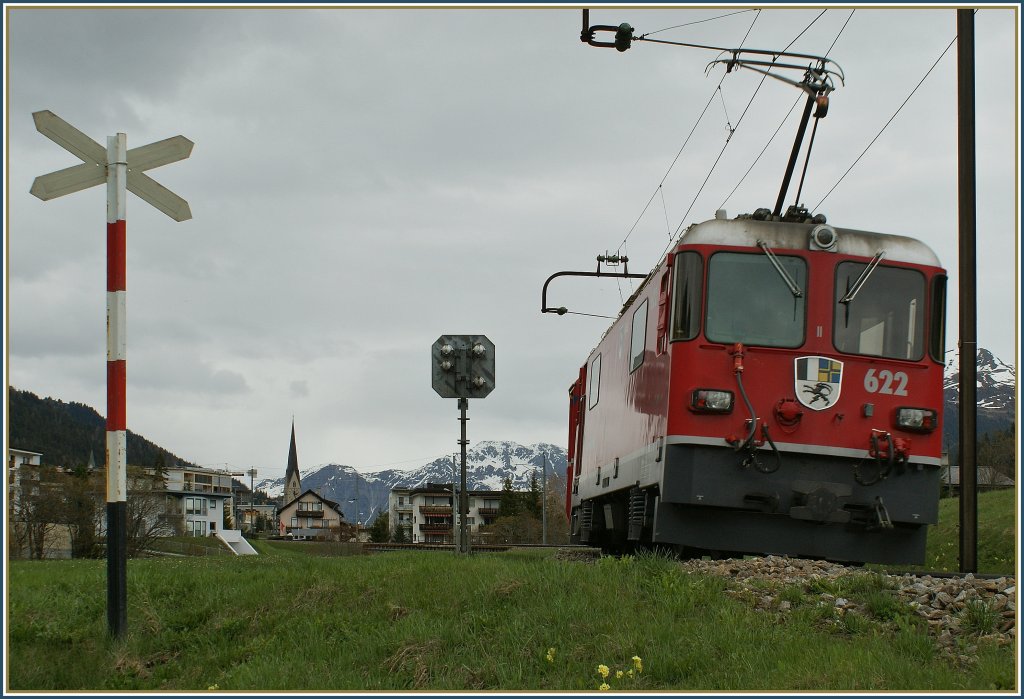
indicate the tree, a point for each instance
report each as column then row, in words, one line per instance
column 83, row 512
column 399, row 536
column 509, row 502
column 145, row 509
column 558, row 521
column 997, row 451
column 520, row 528
column 533, row 502
column 380, row 530
column 35, row 511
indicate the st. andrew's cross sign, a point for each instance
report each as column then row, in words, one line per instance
column 94, row 169
column 122, row 170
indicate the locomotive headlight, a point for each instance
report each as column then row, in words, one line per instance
column 709, row 400
column 916, row 419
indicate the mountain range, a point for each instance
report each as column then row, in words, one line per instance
column 363, row 496
column 996, row 393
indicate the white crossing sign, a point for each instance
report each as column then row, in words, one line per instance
column 93, row 170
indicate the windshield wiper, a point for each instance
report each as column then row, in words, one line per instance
column 793, row 288
column 863, row 277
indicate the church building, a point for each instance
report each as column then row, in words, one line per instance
column 306, row 515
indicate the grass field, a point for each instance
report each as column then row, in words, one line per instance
column 407, row 620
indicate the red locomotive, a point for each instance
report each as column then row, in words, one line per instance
column 773, row 386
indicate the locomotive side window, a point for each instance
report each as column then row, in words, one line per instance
column 639, row 339
column 885, row 318
column 750, row 302
column 937, row 340
column 595, row 381
column 689, row 271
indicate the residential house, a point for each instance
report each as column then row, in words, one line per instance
column 17, row 461
column 195, row 499
column 310, row 516
column 424, row 514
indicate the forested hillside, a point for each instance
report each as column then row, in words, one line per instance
column 67, row 433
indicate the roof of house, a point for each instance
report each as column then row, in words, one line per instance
column 330, row 503
column 443, row 488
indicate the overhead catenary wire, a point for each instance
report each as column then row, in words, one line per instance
column 886, row 125
column 685, row 142
column 764, row 76
column 781, row 123
column 700, row 21
column 738, row 122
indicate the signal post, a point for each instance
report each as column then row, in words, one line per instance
column 462, row 366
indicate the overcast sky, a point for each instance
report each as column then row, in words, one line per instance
column 365, row 180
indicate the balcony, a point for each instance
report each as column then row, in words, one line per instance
column 487, row 511
column 309, row 513
column 404, row 508
column 436, row 510
column 435, row 527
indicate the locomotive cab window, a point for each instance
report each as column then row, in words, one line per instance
column 937, row 339
column 885, row 316
column 749, row 300
column 689, row 278
column 595, row 382
column 638, row 341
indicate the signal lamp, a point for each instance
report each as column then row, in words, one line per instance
column 709, row 400
column 916, row 419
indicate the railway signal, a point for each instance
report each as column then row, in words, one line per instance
column 122, row 170
column 462, row 366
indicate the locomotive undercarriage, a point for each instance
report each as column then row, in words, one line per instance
column 707, row 502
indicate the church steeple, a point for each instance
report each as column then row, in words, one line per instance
column 292, row 486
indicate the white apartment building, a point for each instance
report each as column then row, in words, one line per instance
column 196, row 499
column 424, row 514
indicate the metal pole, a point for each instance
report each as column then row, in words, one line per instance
column 455, row 531
column 544, row 499
column 252, row 502
column 968, row 299
column 793, row 155
column 463, row 497
column 117, row 427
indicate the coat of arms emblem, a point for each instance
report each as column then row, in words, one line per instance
column 819, row 380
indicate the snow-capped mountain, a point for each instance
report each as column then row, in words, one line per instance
column 363, row 496
column 996, row 392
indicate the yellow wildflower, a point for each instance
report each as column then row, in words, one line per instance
column 638, row 663
column 618, row 674
column 551, row 655
column 604, row 687
column 630, row 673
column 602, row 670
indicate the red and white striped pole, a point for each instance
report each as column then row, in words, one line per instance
column 117, row 428
column 112, row 166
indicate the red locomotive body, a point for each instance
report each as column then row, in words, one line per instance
column 771, row 387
